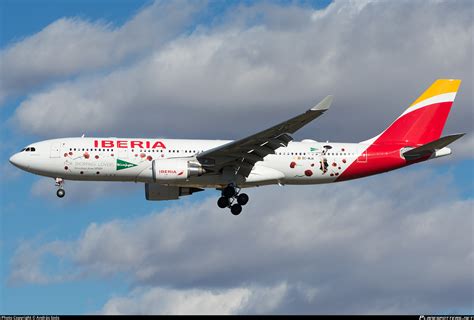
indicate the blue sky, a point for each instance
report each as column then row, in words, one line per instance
column 21, row 19
column 202, row 69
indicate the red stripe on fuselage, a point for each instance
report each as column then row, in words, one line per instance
column 380, row 158
column 410, row 130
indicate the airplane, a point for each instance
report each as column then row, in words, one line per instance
column 171, row 168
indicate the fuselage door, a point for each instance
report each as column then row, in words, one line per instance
column 122, row 152
column 363, row 154
column 55, row 150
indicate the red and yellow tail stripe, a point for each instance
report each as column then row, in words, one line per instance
column 425, row 118
column 421, row 123
column 442, row 90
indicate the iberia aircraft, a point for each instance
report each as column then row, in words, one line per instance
column 172, row 168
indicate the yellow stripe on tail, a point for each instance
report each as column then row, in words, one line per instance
column 438, row 87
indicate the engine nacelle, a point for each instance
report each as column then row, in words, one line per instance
column 175, row 170
column 155, row 191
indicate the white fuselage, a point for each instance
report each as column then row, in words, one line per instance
column 117, row 159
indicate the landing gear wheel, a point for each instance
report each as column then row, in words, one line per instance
column 236, row 209
column 229, row 192
column 242, row 199
column 60, row 193
column 223, row 202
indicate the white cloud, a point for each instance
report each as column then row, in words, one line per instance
column 71, row 46
column 383, row 244
column 271, row 62
column 198, row 301
column 171, row 301
column 28, row 262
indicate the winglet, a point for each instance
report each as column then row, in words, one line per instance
column 323, row 105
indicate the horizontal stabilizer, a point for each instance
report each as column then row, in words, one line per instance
column 431, row 147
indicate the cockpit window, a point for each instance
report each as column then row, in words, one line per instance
column 32, row 149
column 22, row 149
column 27, row 149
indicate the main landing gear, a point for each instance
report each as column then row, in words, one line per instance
column 233, row 199
column 60, row 184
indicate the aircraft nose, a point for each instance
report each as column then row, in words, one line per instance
column 13, row 159
column 17, row 161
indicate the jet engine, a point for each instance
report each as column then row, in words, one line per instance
column 175, row 169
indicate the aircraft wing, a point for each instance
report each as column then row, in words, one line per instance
column 241, row 155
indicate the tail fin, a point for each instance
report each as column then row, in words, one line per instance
column 424, row 120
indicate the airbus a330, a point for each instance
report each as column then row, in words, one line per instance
column 172, row 168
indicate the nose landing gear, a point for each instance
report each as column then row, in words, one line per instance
column 233, row 199
column 60, row 184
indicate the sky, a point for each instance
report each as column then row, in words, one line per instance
column 397, row 243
